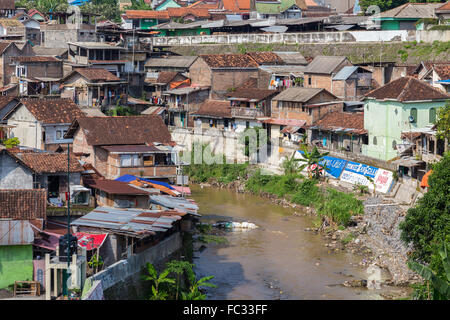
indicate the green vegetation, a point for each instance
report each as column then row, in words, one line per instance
column 443, row 122
column 165, row 287
column 427, row 225
column 11, row 142
column 138, row 5
column 121, row 111
column 437, row 287
column 333, row 206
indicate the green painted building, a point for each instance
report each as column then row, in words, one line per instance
column 167, row 4
column 401, row 105
column 406, row 16
column 16, row 264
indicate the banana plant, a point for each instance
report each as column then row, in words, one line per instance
column 312, row 160
column 440, row 285
column 157, row 280
column 194, row 293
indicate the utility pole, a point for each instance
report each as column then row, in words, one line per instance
column 68, row 218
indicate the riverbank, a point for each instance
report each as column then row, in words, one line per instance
column 374, row 234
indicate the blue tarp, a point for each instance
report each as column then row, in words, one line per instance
column 129, row 178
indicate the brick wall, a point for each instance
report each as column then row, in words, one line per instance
column 222, row 80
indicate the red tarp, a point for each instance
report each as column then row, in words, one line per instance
column 90, row 241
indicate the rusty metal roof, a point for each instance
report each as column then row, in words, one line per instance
column 130, row 221
column 15, row 232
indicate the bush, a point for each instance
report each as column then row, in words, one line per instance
column 339, row 206
column 427, row 225
column 307, row 193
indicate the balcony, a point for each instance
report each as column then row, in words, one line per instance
column 247, row 113
column 164, row 171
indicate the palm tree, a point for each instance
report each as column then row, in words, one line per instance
column 157, row 280
column 440, row 285
column 312, row 160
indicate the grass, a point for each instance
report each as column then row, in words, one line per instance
column 339, row 206
column 348, row 238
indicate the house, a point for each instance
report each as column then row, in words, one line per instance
column 240, row 8
column 280, row 77
column 119, row 194
column 181, row 101
column 164, row 81
column 163, row 5
column 40, row 169
column 406, row 16
column 59, row 35
column 214, row 114
column 170, row 63
column 37, row 75
column 421, row 144
column 36, row 15
column 249, row 103
column 222, row 72
column 320, row 72
column 7, row 8
column 59, row 53
column 280, row 9
column 9, row 49
column 12, row 29
column 7, row 103
column 351, row 83
column 115, row 146
column 339, row 131
column 401, row 105
column 143, row 19
column 42, row 123
column 443, row 13
column 92, row 87
column 21, row 212
column 307, row 104
column 98, row 55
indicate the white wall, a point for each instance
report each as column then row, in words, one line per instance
column 27, row 129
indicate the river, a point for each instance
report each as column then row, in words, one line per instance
column 279, row 260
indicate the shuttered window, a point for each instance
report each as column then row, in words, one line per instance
column 413, row 114
column 432, row 115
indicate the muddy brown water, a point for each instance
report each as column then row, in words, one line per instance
column 279, row 260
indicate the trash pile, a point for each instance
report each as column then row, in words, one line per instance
column 231, row 225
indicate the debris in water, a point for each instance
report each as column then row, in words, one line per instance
column 235, row 225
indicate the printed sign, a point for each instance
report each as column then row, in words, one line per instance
column 90, row 241
column 334, row 166
column 362, row 169
column 383, row 180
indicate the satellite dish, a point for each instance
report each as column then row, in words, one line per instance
column 411, row 119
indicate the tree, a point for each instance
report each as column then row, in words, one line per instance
column 312, row 160
column 138, row 5
column 11, row 142
column 389, row 4
column 194, row 292
column 443, row 122
column 440, row 286
column 157, row 293
column 427, row 225
column 178, row 267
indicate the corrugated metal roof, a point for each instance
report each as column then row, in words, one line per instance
column 15, row 232
column 345, row 73
column 324, row 64
column 130, row 221
column 176, row 203
column 174, row 62
column 294, row 58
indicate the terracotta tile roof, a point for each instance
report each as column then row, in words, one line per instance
column 266, row 58
column 229, row 61
column 346, row 120
column 407, row 89
column 444, row 7
column 146, row 14
column 45, row 162
column 184, row 11
column 113, row 187
column 23, row 204
column 166, row 76
column 443, row 71
column 122, row 130
column 4, row 100
column 204, row 4
column 237, row 6
column 52, row 110
column 252, row 93
column 214, row 108
column 35, row 59
column 96, row 74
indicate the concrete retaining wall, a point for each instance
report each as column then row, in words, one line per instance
column 292, row 38
column 131, row 267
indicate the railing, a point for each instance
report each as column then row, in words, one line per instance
column 251, row 113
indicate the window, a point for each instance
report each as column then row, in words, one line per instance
column 309, row 80
column 413, row 115
column 21, row 71
column 374, row 141
column 394, row 145
column 432, row 115
column 148, row 160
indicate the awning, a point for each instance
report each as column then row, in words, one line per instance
column 424, row 182
column 290, row 129
column 90, row 241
